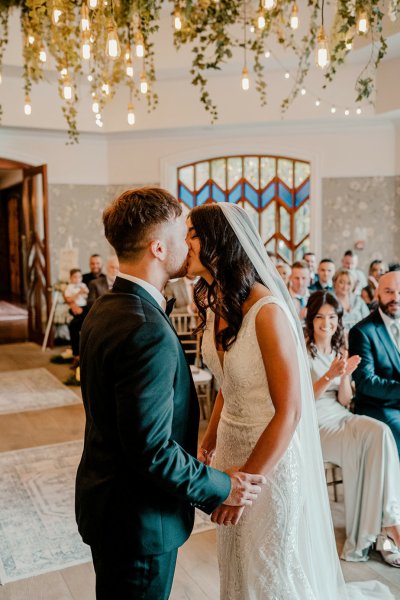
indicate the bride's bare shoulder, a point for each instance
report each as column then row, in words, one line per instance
column 257, row 292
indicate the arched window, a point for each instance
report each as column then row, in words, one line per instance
column 274, row 190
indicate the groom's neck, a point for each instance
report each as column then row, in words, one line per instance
column 145, row 271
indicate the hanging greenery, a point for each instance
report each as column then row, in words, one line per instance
column 105, row 40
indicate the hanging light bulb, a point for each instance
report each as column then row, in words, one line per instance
column 362, row 22
column 113, row 48
column 177, row 20
column 294, row 17
column 105, row 88
column 42, row 54
column 131, row 114
column 322, row 54
column 143, row 83
column 31, row 39
column 67, row 89
column 127, row 54
column 90, row 78
column 85, row 47
column 303, row 91
column 267, row 54
column 269, row 4
column 56, row 14
column 261, row 19
column 85, row 23
column 129, row 68
column 245, row 79
column 139, row 43
column 317, row 102
column 27, row 106
column 95, row 105
column 63, row 72
column 287, row 75
column 93, row 4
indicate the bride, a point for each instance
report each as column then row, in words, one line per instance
column 264, row 420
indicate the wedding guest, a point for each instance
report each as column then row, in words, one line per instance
column 100, row 286
column 354, row 307
column 377, row 340
column 76, row 291
column 394, row 266
column 95, row 266
column 326, row 271
column 369, row 298
column 182, row 290
column 376, row 269
column 363, row 447
column 311, row 260
column 298, row 286
column 284, row 271
column 350, row 261
column 76, row 294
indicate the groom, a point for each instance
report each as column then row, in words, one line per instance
column 138, row 481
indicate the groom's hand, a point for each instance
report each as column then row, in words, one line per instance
column 245, row 488
column 227, row 515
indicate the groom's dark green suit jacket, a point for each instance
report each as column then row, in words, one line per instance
column 138, row 481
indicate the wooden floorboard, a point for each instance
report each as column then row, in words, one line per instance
column 196, row 575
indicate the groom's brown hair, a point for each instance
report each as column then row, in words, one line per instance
column 130, row 220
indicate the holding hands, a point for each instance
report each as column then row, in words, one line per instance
column 245, row 488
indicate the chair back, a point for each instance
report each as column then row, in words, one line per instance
column 184, row 324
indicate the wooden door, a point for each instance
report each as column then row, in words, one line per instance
column 36, row 252
column 14, row 247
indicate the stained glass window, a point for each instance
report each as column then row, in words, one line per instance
column 274, row 191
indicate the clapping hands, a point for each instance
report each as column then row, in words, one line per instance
column 342, row 365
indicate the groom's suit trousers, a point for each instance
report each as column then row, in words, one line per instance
column 134, row 577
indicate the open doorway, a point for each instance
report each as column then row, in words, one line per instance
column 24, row 261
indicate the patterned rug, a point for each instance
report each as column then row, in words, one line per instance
column 38, row 533
column 9, row 312
column 32, row 389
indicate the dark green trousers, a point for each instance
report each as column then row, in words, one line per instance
column 134, row 577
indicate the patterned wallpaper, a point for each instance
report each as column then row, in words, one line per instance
column 351, row 205
column 75, row 210
column 370, row 203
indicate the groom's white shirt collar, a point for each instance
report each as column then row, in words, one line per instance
column 153, row 291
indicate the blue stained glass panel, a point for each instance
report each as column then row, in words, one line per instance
column 251, row 195
column 267, row 195
column 203, row 195
column 235, row 194
column 302, row 194
column 186, row 196
column 285, row 194
column 217, row 194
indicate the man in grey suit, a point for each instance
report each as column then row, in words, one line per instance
column 102, row 285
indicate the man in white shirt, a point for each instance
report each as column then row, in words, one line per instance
column 377, row 340
column 298, row 286
column 350, row 261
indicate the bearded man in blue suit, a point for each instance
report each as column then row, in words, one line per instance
column 377, row 340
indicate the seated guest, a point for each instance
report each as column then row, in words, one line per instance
column 101, row 285
column 76, row 291
column 182, row 290
column 354, row 307
column 311, row 260
column 298, row 286
column 363, row 447
column 95, row 266
column 369, row 298
column 284, row 271
column 350, row 261
column 377, row 340
column 326, row 271
column 394, row 266
column 376, row 269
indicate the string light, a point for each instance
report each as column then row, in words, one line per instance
column 269, row 4
column 105, row 88
column 143, row 83
column 267, row 54
column 131, row 114
column 56, row 15
column 95, row 105
column 347, row 112
column 317, row 102
column 287, row 75
column 261, row 19
column 139, row 43
column 177, row 20
column 42, row 54
column 92, row 4
column 362, row 23
column 31, row 39
column 85, row 23
column 359, row 111
column 85, row 48
column 67, row 89
column 129, row 68
column 127, row 54
column 245, row 79
column 333, row 110
column 303, row 91
column 27, row 106
column 113, row 48
column 294, row 17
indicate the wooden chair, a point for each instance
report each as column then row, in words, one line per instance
column 332, row 477
column 184, row 324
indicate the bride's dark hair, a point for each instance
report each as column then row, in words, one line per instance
column 234, row 275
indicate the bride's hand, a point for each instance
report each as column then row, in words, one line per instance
column 205, row 456
column 227, row 515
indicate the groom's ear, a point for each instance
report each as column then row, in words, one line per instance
column 158, row 249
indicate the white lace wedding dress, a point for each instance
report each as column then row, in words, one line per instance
column 258, row 558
